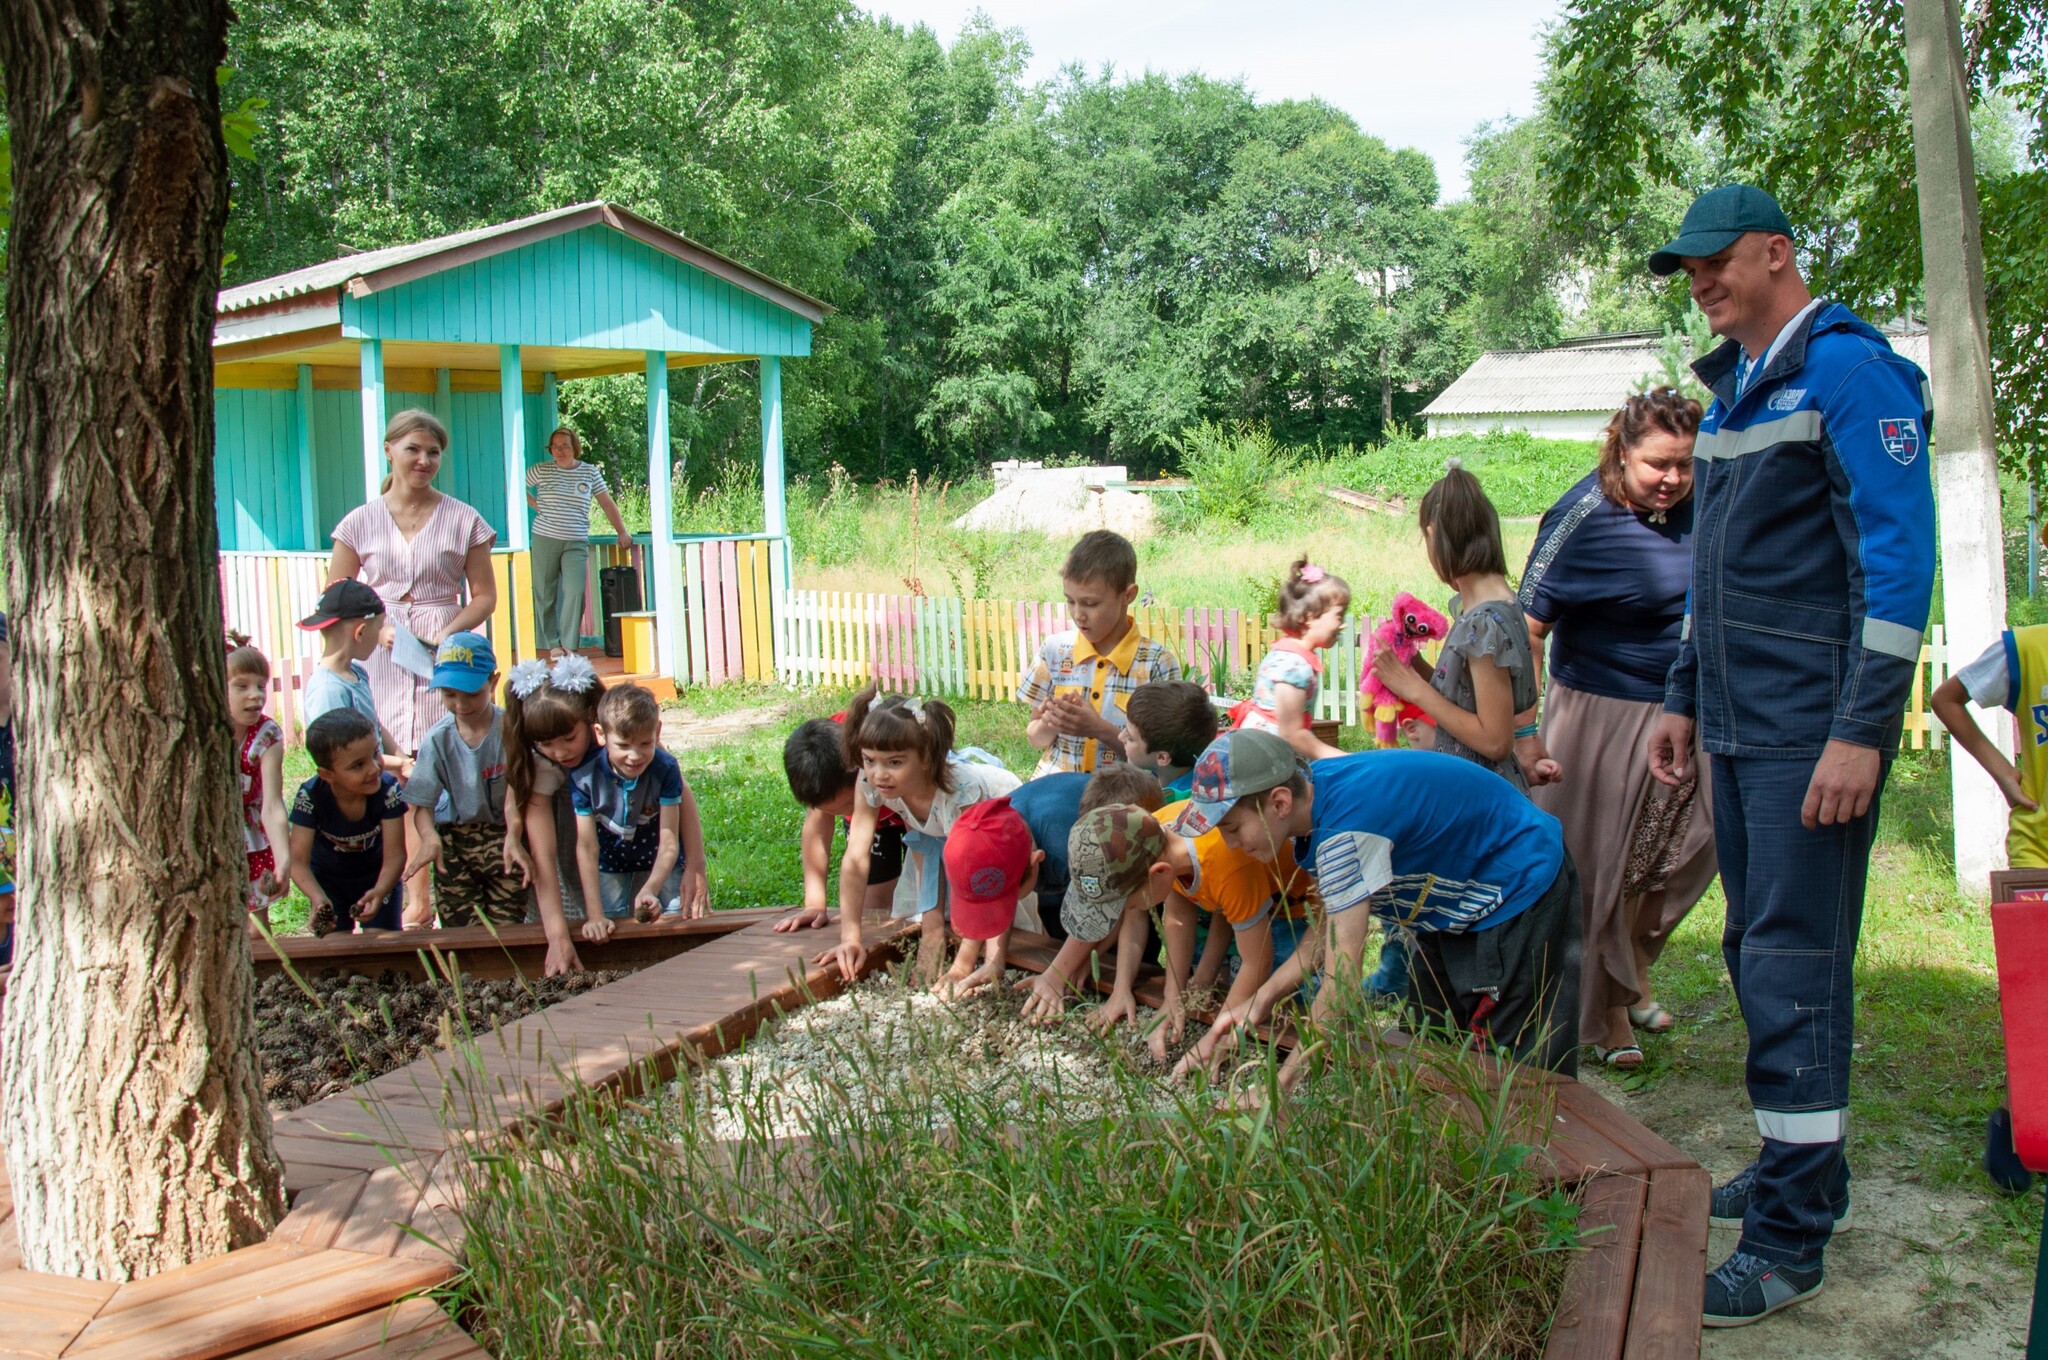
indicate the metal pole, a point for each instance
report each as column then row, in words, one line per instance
column 2033, row 535
column 1966, row 461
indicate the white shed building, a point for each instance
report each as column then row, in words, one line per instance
column 1569, row 391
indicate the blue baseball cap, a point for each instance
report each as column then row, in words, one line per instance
column 465, row 662
column 1234, row 766
column 1715, row 221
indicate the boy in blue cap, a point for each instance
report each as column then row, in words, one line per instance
column 1439, row 845
column 456, row 796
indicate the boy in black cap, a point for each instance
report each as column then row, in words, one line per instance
column 350, row 621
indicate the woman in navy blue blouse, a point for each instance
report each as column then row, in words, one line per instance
column 1607, row 582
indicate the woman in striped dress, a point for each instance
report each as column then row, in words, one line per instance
column 561, row 492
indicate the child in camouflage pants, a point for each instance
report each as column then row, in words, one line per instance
column 456, row 794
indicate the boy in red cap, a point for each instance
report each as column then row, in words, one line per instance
column 990, row 863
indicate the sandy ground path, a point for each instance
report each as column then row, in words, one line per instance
column 1905, row 1281
column 682, row 731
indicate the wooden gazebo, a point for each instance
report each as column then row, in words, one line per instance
column 482, row 327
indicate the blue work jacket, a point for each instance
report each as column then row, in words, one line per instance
column 1813, row 545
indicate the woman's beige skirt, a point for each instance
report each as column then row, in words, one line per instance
column 1645, row 851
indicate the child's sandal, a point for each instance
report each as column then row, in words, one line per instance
column 1651, row 1018
column 1627, row 1058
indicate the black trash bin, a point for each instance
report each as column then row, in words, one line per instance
column 618, row 592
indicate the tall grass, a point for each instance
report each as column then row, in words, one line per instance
column 1238, row 473
column 1522, row 475
column 1392, row 1211
column 1225, row 541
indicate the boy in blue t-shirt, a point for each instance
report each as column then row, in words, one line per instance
column 639, row 841
column 348, row 828
column 1443, row 846
column 350, row 621
column 1167, row 726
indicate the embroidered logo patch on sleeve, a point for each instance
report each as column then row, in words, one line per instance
column 1901, row 436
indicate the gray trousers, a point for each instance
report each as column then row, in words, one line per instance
column 560, row 569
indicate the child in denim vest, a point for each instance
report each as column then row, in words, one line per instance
column 639, row 840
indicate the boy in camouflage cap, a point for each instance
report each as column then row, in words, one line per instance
column 1115, row 876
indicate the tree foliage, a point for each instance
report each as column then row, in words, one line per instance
column 1084, row 266
column 1654, row 100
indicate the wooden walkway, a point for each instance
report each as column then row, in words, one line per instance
column 496, row 951
column 374, row 1175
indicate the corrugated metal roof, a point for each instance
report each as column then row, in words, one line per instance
column 1575, row 377
column 318, row 278
column 1582, row 378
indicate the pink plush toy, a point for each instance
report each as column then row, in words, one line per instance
column 1411, row 624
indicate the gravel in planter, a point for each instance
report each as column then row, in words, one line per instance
column 885, row 1029
column 355, row 1027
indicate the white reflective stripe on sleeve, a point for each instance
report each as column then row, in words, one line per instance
column 1893, row 639
column 1685, row 628
column 1790, row 428
column 1803, row 1126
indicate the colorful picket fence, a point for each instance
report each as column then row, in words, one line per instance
column 1923, row 730
column 741, row 621
column 730, row 627
column 978, row 649
column 727, row 631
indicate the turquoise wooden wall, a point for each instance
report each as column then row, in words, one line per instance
column 258, row 502
column 594, row 288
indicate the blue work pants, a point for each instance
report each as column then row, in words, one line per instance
column 1795, row 907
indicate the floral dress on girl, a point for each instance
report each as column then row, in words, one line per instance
column 262, row 860
column 1291, row 662
column 1499, row 631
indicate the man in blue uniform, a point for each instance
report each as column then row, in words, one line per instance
column 1813, row 562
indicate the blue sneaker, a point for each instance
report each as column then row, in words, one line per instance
column 1389, row 981
column 1745, row 1289
column 1730, row 1202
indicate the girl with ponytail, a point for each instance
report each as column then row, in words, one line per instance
column 550, row 730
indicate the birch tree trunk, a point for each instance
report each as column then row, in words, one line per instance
column 135, row 1130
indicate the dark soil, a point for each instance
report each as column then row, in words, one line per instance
column 355, row 1027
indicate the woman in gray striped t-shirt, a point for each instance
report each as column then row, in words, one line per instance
column 560, row 492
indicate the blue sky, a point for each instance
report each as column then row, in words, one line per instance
column 1413, row 73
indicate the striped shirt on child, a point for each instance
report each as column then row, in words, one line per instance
column 564, row 495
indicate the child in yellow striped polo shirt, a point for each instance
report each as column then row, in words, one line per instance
column 1081, row 678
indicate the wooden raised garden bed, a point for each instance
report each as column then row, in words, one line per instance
column 375, row 1183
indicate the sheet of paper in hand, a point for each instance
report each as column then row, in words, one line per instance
column 410, row 654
